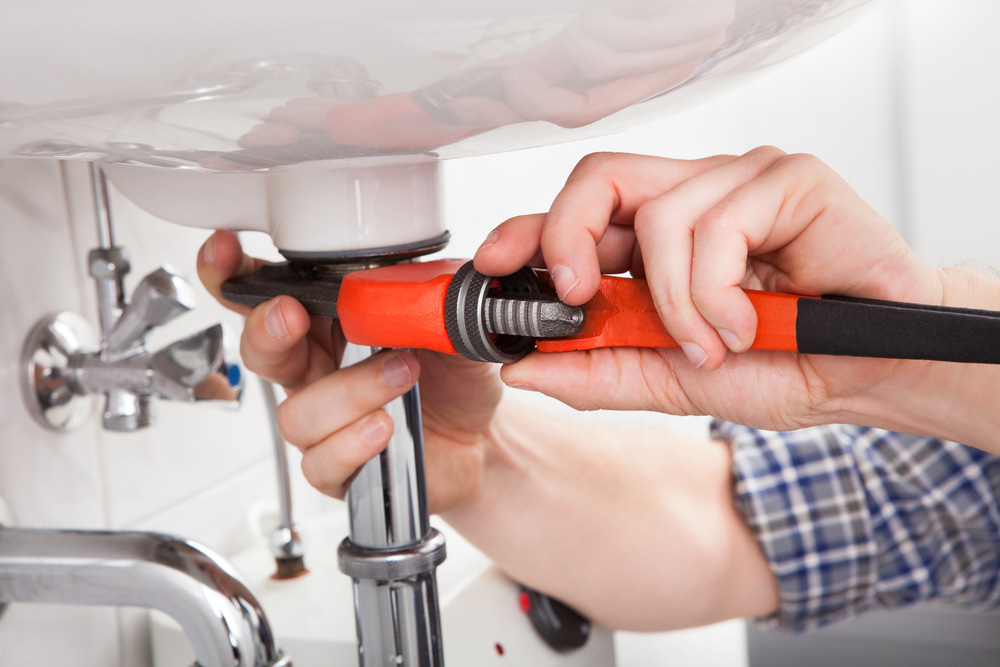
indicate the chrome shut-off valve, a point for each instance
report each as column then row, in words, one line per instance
column 66, row 367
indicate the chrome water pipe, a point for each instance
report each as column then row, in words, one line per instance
column 108, row 265
column 286, row 542
column 392, row 552
column 216, row 609
column 63, row 367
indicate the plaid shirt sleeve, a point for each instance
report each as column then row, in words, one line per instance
column 853, row 519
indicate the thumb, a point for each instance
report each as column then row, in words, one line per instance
column 623, row 378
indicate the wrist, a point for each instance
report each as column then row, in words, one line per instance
column 619, row 531
column 968, row 287
column 505, row 457
column 951, row 401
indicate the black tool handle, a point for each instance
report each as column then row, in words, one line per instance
column 310, row 285
column 892, row 330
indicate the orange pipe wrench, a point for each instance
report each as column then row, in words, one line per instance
column 447, row 306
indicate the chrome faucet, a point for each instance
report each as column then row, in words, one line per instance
column 64, row 366
column 216, row 609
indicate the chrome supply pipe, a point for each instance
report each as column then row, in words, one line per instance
column 110, row 289
column 286, row 543
column 108, row 265
column 60, row 368
column 215, row 608
column 392, row 552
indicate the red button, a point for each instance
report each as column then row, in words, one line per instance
column 525, row 603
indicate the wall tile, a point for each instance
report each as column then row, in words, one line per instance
column 47, row 635
column 48, row 479
column 192, row 447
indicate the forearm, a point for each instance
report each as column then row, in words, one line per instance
column 855, row 519
column 635, row 529
column 943, row 400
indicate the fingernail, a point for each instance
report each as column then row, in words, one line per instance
column 521, row 386
column 209, row 251
column 695, row 354
column 274, row 322
column 730, row 339
column 564, row 280
column 374, row 428
column 396, row 372
column 490, row 240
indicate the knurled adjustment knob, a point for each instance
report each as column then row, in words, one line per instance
column 498, row 319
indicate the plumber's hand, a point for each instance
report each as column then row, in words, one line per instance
column 335, row 416
column 698, row 231
column 544, row 497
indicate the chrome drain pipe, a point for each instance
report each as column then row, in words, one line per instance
column 392, row 552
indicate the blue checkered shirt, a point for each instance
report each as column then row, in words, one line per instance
column 853, row 519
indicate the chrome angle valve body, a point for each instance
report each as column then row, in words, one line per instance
column 65, row 366
column 64, row 371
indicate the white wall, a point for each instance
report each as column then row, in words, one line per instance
column 196, row 473
column 899, row 94
column 949, row 58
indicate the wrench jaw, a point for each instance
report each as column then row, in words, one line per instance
column 498, row 319
column 442, row 305
column 316, row 288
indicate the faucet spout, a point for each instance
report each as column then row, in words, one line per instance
column 216, row 609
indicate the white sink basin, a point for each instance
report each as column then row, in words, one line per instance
column 182, row 84
column 322, row 123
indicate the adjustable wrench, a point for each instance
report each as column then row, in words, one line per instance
column 448, row 306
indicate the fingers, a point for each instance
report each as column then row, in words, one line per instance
column 615, row 251
column 749, row 220
column 220, row 259
column 330, row 465
column 512, row 245
column 604, row 189
column 332, row 402
column 794, row 205
column 609, row 378
column 697, row 225
column 337, row 421
column 666, row 231
column 275, row 344
column 279, row 341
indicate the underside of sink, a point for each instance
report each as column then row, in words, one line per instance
column 223, row 87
